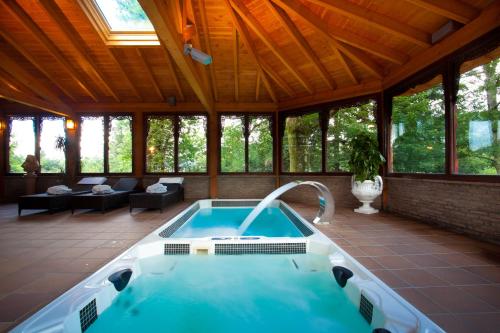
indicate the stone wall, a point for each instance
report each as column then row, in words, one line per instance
column 468, row 207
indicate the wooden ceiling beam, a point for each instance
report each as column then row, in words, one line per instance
column 13, row 68
column 276, row 78
column 124, row 73
column 245, row 14
column 236, row 65
column 149, row 73
column 206, row 37
column 244, row 35
column 174, row 75
column 157, row 12
column 77, row 42
column 376, row 20
column 15, row 10
column 321, row 28
column 257, row 87
column 194, row 107
column 452, row 9
column 344, row 64
column 36, row 63
column 301, row 42
column 342, row 35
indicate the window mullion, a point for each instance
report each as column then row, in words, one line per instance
column 106, row 144
column 176, row 143
column 246, row 134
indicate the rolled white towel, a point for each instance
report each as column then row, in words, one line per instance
column 102, row 189
column 156, row 188
column 58, row 189
column 171, row 180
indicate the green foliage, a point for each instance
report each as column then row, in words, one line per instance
column 260, row 145
column 418, row 132
column 160, row 145
column 343, row 125
column 233, row 146
column 15, row 160
column 301, row 151
column 120, row 145
column 365, row 159
column 193, row 144
column 131, row 10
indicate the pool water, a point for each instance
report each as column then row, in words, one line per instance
column 248, row 293
column 208, row 222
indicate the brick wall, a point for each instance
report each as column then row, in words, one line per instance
column 245, row 186
column 195, row 187
column 468, row 207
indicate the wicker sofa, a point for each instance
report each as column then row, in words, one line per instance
column 175, row 193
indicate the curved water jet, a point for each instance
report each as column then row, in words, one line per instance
column 326, row 203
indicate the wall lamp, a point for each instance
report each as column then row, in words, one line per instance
column 70, row 124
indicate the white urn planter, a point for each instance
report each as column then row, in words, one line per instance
column 366, row 192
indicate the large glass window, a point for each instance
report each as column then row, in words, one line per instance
column 124, row 15
column 176, row 144
column 52, row 145
column 120, row 144
column 301, row 144
column 21, row 141
column 160, row 144
column 192, row 144
column 418, row 129
column 246, row 143
column 106, row 144
column 478, row 117
column 343, row 124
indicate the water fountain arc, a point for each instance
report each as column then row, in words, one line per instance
column 326, row 203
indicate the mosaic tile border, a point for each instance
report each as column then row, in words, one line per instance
column 235, row 203
column 171, row 229
column 260, row 248
column 296, row 221
column 176, row 248
column 88, row 315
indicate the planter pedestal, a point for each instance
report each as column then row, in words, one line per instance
column 30, row 181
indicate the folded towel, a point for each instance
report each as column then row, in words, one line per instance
column 59, row 189
column 156, row 188
column 102, row 189
column 171, row 180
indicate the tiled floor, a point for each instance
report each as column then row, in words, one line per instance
column 455, row 280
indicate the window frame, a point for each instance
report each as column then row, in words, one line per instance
column 37, row 130
column 323, row 110
column 449, row 68
column 175, row 118
column 116, row 38
column 246, row 122
column 106, row 143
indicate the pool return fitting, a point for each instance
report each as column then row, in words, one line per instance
column 326, row 203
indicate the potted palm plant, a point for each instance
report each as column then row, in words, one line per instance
column 364, row 163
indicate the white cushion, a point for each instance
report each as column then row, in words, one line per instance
column 156, row 188
column 102, row 189
column 171, row 180
column 58, row 189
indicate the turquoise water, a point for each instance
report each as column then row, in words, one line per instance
column 209, row 222
column 248, row 293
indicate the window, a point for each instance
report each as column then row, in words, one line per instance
column 418, row 129
column 41, row 136
column 52, row 145
column 176, row 144
column 21, row 141
column 246, row 143
column 301, row 144
column 343, row 124
column 120, row 22
column 106, row 144
column 478, row 120
column 193, row 144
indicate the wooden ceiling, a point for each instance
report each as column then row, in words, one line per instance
column 267, row 54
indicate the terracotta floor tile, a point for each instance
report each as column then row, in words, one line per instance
column 426, row 260
column 456, row 275
column 481, row 322
column 455, row 300
column 390, row 279
column 16, row 305
column 53, row 282
column 369, row 263
column 73, row 252
column 488, row 293
column 91, row 243
column 377, row 250
column 450, row 323
column 423, row 303
column 418, row 277
column 101, row 253
column 394, row 262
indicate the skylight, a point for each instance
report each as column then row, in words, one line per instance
column 124, row 15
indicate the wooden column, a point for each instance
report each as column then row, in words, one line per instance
column 138, row 144
column 213, row 152
column 3, row 155
column 72, row 152
column 276, row 147
column 383, row 135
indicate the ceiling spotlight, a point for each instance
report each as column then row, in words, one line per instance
column 197, row 55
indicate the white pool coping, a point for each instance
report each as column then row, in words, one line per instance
column 390, row 311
